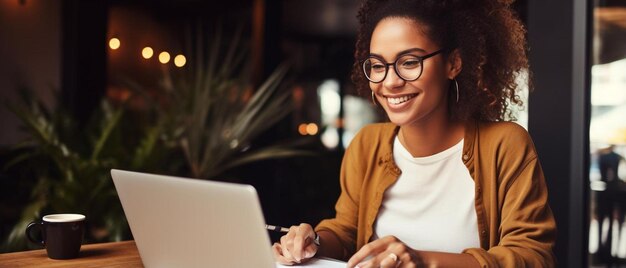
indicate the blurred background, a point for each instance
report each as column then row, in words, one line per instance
column 259, row 92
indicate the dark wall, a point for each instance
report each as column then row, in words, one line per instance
column 30, row 57
column 557, row 116
column 84, row 74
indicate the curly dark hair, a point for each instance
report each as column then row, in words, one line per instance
column 489, row 36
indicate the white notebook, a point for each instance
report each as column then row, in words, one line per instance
column 318, row 263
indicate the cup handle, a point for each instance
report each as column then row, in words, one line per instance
column 29, row 231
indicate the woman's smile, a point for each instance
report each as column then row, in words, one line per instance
column 399, row 101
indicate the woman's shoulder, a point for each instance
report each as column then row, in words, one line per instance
column 507, row 138
column 375, row 133
column 503, row 131
column 378, row 129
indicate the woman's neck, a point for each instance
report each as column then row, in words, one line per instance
column 429, row 138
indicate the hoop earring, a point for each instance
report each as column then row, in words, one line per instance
column 456, row 86
column 374, row 99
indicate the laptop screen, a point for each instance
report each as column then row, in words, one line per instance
column 182, row 222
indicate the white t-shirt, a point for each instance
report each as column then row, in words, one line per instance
column 431, row 205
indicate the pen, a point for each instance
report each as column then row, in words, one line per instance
column 276, row 228
column 281, row 229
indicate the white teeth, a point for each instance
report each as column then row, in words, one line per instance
column 400, row 99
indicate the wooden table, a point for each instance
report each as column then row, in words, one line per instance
column 115, row 254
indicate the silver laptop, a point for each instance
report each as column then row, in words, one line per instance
column 180, row 222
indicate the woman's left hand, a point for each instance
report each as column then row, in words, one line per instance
column 388, row 251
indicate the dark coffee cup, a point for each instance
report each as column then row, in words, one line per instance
column 62, row 234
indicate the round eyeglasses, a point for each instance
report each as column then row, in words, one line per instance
column 408, row 67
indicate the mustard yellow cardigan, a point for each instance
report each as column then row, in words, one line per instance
column 515, row 223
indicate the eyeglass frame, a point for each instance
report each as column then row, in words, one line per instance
column 395, row 69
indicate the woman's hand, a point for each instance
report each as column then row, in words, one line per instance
column 296, row 246
column 388, row 251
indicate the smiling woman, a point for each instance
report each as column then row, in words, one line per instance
column 445, row 183
column 405, row 98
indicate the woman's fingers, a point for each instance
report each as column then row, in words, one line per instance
column 286, row 242
column 384, row 252
column 310, row 251
column 278, row 254
column 388, row 260
column 297, row 245
column 301, row 242
column 384, row 259
column 370, row 249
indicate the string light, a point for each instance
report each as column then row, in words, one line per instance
column 308, row 129
column 147, row 52
column 114, row 43
column 311, row 129
column 164, row 57
column 180, row 60
column 302, row 129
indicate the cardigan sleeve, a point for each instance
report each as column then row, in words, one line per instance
column 527, row 228
column 344, row 225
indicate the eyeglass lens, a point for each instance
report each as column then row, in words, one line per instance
column 408, row 67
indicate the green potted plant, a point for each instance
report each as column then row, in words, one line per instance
column 206, row 125
column 70, row 166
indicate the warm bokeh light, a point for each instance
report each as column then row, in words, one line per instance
column 164, row 57
column 311, row 129
column 302, row 129
column 147, row 52
column 180, row 60
column 308, row 129
column 114, row 43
